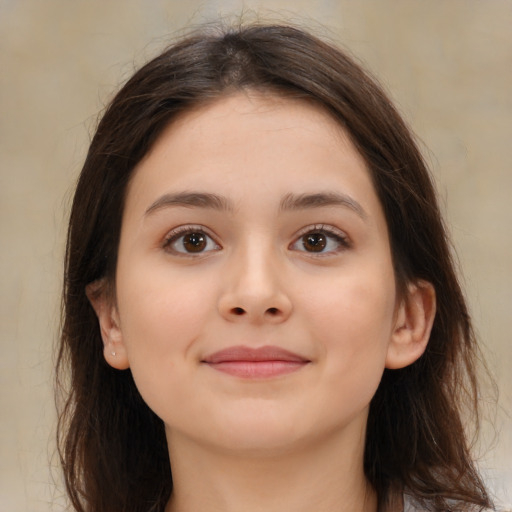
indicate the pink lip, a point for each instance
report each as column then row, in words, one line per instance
column 246, row 362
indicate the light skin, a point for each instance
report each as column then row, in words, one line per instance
column 253, row 222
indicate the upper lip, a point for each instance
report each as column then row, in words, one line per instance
column 242, row 353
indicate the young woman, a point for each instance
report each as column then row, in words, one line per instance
column 260, row 308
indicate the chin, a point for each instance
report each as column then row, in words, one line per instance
column 248, row 432
column 268, row 435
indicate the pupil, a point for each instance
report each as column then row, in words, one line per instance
column 194, row 242
column 314, row 242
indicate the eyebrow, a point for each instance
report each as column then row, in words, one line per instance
column 289, row 202
column 191, row 199
column 321, row 200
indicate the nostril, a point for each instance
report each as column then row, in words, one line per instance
column 238, row 311
column 272, row 311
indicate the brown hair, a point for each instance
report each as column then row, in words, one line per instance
column 113, row 447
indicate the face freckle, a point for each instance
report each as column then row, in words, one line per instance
column 252, row 230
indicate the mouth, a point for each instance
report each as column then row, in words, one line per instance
column 254, row 363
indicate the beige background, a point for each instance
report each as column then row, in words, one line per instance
column 448, row 64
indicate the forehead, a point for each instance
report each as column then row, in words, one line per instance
column 251, row 129
column 251, row 107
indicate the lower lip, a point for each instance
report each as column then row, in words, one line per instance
column 258, row 369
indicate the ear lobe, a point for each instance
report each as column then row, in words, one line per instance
column 113, row 347
column 414, row 320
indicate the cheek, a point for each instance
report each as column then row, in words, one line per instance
column 160, row 320
column 161, row 315
column 358, row 306
column 353, row 323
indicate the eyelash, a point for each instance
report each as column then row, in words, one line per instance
column 329, row 232
column 181, row 232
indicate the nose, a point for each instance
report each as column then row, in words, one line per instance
column 254, row 290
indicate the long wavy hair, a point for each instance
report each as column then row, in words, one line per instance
column 112, row 446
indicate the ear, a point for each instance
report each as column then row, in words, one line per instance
column 414, row 319
column 114, row 350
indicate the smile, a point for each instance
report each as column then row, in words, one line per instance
column 250, row 363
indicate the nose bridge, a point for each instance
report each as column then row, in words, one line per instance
column 254, row 288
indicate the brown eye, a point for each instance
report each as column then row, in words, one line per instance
column 190, row 241
column 321, row 240
column 194, row 242
column 314, row 242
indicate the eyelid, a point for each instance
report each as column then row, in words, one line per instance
column 176, row 233
column 330, row 231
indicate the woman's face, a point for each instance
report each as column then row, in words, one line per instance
column 255, row 294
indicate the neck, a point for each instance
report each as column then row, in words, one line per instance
column 326, row 477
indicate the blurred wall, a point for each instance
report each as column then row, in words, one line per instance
column 447, row 63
